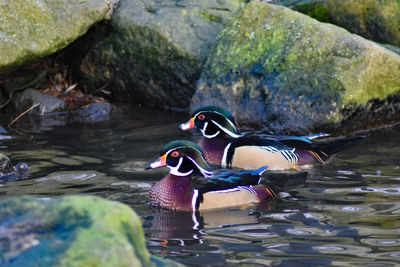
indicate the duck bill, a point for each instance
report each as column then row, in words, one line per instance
column 160, row 162
column 187, row 125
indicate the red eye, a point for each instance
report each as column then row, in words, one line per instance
column 201, row 117
column 175, row 154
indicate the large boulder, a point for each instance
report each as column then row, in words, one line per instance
column 32, row 29
column 375, row 20
column 275, row 67
column 153, row 51
column 72, row 231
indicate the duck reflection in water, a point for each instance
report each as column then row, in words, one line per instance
column 167, row 226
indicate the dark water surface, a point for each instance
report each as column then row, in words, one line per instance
column 344, row 214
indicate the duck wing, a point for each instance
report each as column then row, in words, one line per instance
column 228, row 179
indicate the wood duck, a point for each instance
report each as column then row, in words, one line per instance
column 191, row 185
column 225, row 146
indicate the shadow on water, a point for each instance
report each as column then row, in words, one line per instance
column 344, row 214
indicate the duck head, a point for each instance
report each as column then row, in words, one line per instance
column 182, row 158
column 212, row 121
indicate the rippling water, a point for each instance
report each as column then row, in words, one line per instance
column 344, row 214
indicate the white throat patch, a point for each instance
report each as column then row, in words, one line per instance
column 175, row 170
column 203, row 132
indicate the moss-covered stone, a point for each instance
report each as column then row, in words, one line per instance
column 32, row 29
column 277, row 66
column 375, row 20
column 153, row 51
column 71, row 231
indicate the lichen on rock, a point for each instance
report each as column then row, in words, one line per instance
column 275, row 67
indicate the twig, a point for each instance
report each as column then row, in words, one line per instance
column 22, row 114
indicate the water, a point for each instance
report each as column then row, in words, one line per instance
column 344, row 214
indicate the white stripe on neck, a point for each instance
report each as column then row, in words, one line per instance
column 194, row 198
column 223, row 160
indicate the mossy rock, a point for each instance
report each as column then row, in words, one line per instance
column 33, row 29
column 277, row 68
column 152, row 51
column 375, row 20
column 72, row 231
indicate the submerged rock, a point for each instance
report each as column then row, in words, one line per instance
column 51, row 105
column 72, row 231
column 153, row 51
column 33, row 29
column 375, row 20
column 276, row 67
column 8, row 172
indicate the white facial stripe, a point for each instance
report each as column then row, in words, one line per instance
column 223, row 161
column 203, row 132
column 175, row 170
column 226, row 130
column 203, row 171
column 194, row 199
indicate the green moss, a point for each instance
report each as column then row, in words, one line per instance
column 92, row 231
column 210, row 17
column 314, row 10
column 34, row 29
column 296, row 71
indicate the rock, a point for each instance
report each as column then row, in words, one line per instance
column 375, row 20
column 153, row 51
column 275, row 66
column 5, row 165
column 8, row 172
column 95, row 112
column 32, row 29
column 51, row 105
column 48, row 103
column 72, row 231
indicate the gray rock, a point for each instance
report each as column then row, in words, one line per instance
column 276, row 68
column 33, row 29
column 48, row 103
column 153, row 51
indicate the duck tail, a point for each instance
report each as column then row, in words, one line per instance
column 323, row 150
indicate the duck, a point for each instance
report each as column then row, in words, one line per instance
column 191, row 185
column 225, row 146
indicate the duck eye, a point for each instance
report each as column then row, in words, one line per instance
column 201, row 117
column 175, row 154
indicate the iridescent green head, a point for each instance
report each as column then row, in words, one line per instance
column 183, row 158
column 211, row 121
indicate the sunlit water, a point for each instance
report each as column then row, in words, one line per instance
column 344, row 214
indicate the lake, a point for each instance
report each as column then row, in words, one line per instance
column 344, row 214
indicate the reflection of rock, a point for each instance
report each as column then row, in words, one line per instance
column 34, row 29
column 72, row 231
column 274, row 66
